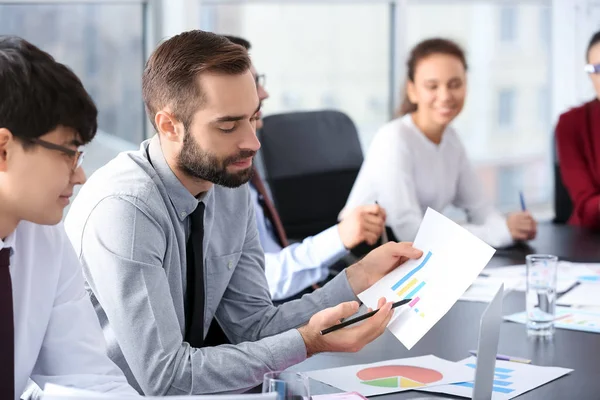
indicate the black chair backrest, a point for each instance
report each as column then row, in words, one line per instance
column 563, row 206
column 311, row 160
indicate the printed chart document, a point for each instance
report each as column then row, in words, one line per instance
column 394, row 375
column 574, row 319
column 452, row 259
column 511, row 379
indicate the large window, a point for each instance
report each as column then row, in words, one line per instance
column 344, row 55
column 507, row 99
column 508, row 23
column 103, row 44
column 505, row 123
column 316, row 55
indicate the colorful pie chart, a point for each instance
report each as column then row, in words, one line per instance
column 398, row 376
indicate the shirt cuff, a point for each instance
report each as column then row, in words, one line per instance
column 504, row 237
column 328, row 246
column 287, row 349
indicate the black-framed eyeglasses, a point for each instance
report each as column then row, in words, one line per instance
column 76, row 155
column 260, row 80
column 592, row 68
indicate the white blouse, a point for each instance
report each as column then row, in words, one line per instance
column 405, row 173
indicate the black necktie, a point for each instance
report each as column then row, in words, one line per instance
column 7, row 338
column 194, row 318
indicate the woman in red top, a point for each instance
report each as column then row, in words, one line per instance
column 578, row 143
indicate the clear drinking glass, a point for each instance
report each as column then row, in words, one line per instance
column 541, row 294
column 288, row 385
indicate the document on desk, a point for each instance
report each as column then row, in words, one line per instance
column 511, row 379
column 584, row 294
column 452, row 259
column 394, row 375
column 568, row 275
column 484, row 289
column 575, row 319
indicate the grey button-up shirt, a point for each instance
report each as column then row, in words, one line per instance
column 129, row 225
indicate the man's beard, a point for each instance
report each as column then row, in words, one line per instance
column 200, row 164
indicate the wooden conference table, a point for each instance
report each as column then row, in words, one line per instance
column 457, row 332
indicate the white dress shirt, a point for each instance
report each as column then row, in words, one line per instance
column 298, row 266
column 57, row 334
column 406, row 173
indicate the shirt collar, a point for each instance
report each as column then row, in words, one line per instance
column 183, row 201
column 10, row 241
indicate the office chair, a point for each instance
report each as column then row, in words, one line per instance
column 563, row 206
column 310, row 161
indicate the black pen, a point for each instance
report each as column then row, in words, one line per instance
column 360, row 318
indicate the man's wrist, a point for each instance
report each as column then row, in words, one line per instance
column 339, row 230
column 308, row 340
column 356, row 278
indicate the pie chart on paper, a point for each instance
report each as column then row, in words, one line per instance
column 398, row 376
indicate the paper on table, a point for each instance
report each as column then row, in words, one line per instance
column 568, row 275
column 575, row 319
column 452, row 259
column 339, row 396
column 585, row 294
column 511, row 379
column 484, row 289
column 394, row 375
column 56, row 392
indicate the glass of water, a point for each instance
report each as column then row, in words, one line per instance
column 287, row 385
column 541, row 294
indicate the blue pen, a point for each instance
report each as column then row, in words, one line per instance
column 522, row 201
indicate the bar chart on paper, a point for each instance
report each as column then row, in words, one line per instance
column 511, row 379
column 409, row 286
column 451, row 260
column 502, row 380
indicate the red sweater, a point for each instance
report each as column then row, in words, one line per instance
column 578, row 146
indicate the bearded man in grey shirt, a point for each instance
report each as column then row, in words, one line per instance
column 135, row 225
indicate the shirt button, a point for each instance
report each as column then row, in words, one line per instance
column 230, row 265
column 183, row 214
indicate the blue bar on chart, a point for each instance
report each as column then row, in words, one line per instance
column 411, row 273
column 415, row 291
column 500, row 382
column 498, row 389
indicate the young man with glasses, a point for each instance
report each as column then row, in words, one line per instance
column 48, row 329
column 295, row 269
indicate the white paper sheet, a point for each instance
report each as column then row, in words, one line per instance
column 484, row 289
column 568, row 274
column 511, row 380
column 56, row 392
column 394, row 375
column 584, row 294
column 452, row 259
